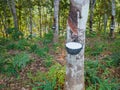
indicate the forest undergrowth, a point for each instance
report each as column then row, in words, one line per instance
column 39, row 64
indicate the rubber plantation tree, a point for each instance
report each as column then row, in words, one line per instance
column 11, row 4
column 3, row 16
column 112, row 27
column 118, row 15
column 39, row 10
column 76, row 32
column 105, row 17
column 92, row 4
column 30, row 18
column 55, row 25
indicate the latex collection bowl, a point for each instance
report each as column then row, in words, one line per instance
column 73, row 48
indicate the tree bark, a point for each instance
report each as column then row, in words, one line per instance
column 11, row 4
column 76, row 27
column 92, row 4
column 105, row 22
column 30, row 24
column 39, row 10
column 30, row 10
column 112, row 27
column 2, row 24
column 20, row 9
column 56, row 25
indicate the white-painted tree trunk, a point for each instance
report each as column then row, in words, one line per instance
column 75, row 63
column 56, row 25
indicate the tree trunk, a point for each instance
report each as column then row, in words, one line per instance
column 39, row 9
column 11, row 4
column 30, row 10
column 119, row 27
column 1, row 29
column 76, row 27
column 4, row 24
column 105, row 22
column 92, row 4
column 99, row 23
column 56, row 25
column 20, row 9
column 5, row 21
column 112, row 27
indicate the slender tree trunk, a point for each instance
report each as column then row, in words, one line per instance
column 39, row 26
column 56, row 25
column 92, row 4
column 119, row 27
column 20, row 9
column 4, row 24
column 30, row 10
column 1, row 29
column 105, row 22
column 99, row 23
column 112, row 27
column 11, row 4
column 39, row 9
column 42, row 21
column 76, row 27
column 46, row 21
column 105, row 19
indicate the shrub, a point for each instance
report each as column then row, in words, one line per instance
column 52, row 80
column 57, row 72
column 94, row 81
column 48, row 37
column 11, row 46
column 97, row 49
column 33, row 48
column 116, row 58
column 48, row 61
column 91, row 70
column 20, row 60
column 4, row 41
column 14, row 33
column 22, row 44
column 46, row 85
column 6, row 66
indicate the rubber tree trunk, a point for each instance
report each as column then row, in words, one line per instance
column 11, row 4
column 20, row 19
column 92, row 4
column 76, row 28
column 119, row 27
column 39, row 10
column 2, row 23
column 56, row 25
column 105, row 19
column 30, row 10
column 5, row 21
column 112, row 27
column 105, row 22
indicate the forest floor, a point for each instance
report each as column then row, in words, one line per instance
column 40, row 65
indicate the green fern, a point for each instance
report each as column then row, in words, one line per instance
column 20, row 60
column 45, row 85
